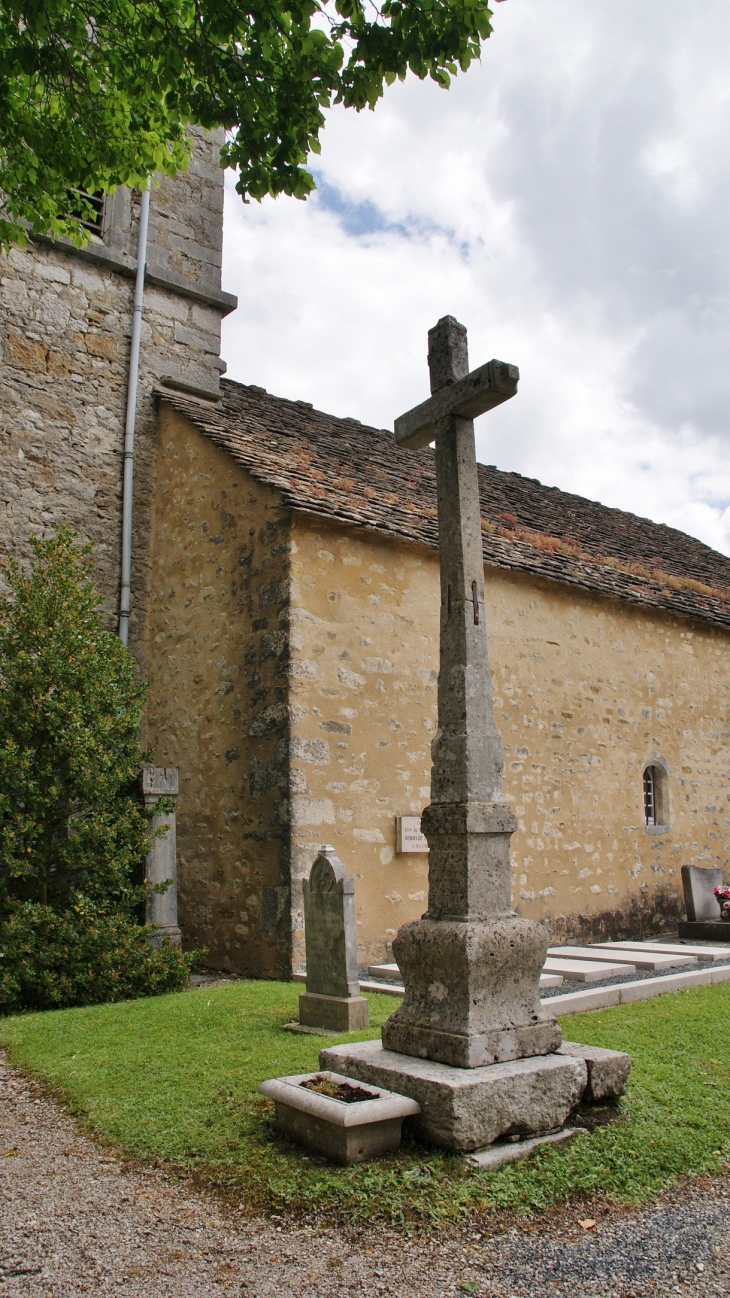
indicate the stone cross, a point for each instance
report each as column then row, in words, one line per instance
column 471, row 968
column 332, row 999
column 161, row 863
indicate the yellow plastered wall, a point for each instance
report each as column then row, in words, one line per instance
column 587, row 691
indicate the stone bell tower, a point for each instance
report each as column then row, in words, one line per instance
column 65, row 329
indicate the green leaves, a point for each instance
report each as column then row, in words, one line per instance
column 84, row 956
column 95, row 95
column 70, row 816
column 73, row 827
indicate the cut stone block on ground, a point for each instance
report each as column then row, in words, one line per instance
column 495, row 1156
column 608, row 1070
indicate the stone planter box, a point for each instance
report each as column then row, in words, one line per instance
column 351, row 1132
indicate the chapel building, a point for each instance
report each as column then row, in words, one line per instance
column 286, row 611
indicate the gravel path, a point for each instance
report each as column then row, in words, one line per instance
column 75, row 1219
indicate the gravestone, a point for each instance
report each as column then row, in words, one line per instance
column 700, row 902
column 161, row 863
column 472, row 1042
column 332, row 999
column 703, row 921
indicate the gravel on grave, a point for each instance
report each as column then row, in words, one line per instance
column 75, row 1219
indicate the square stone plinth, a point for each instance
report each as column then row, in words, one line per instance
column 468, row 1108
column 337, row 1013
column 345, row 1132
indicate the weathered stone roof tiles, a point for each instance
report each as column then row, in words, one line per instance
column 341, row 470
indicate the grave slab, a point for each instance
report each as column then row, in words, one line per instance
column 463, row 1109
column 641, row 959
column 588, row 971
column 598, row 998
column 674, row 948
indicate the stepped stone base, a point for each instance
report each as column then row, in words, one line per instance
column 463, row 1109
column 708, row 930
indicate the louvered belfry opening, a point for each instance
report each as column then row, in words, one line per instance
column 94, row 220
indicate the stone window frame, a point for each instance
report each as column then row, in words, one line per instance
column 660, row 782
column 116, row 226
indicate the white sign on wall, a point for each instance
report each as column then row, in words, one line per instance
column 408, row 834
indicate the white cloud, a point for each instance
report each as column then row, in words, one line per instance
column 567, row 200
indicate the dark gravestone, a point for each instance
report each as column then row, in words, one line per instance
column 332, row 999
column 703, row 921
column 700, row 901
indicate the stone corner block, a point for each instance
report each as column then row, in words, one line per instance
column 337, row 1013
column 608, row 1070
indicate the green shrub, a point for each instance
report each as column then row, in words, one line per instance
column 74, row 831
column 81, row 957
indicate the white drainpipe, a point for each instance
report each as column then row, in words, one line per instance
column 128, row 487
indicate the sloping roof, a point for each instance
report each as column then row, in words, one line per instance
column 343, row 471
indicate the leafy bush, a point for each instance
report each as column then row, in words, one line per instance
column 81, row 957
column 73, row 826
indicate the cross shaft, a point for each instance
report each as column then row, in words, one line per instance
column 470, row 967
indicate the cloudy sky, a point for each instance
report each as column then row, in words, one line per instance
column 569, row 201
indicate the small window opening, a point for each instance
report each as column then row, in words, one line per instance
column 656, row 797
column 91, row 220
column 650, row 798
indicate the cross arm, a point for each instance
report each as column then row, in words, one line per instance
column 476, row 393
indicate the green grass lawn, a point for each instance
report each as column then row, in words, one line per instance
column 174, row 1078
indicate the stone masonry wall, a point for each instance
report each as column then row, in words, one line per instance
column 218, row 700
column 587, row 690
column 65, row 325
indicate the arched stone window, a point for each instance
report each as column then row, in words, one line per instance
column 656, row 795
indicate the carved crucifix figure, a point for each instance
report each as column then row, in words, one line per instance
column 470, row 966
